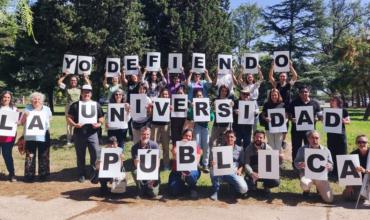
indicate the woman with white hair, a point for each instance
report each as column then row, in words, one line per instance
column 37, row 115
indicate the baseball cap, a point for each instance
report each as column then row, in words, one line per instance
column 87, row 87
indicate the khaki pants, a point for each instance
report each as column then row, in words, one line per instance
column 69, row 127
column 322, row 186
column 161, row 135
column 275, row 140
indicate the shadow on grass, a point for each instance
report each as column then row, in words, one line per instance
column 65, row 175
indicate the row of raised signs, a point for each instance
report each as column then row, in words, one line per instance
column 118, row 116
column 153, row 63
column 268, row 163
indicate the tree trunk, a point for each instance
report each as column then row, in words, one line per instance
column 51, row 98
column 358, row 100
column 367, row 111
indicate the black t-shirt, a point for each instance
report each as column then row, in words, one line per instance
column 363, row 158
column 132, row 88
column 299, row 102
column 285, row 92
column 86, row 129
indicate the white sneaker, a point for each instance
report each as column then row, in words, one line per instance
column 366, row 203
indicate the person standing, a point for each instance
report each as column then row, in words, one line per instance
column 85, row 135
column 73, row 93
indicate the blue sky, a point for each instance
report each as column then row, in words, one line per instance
column 262, row 3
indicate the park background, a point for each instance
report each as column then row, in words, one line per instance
column 329, row 43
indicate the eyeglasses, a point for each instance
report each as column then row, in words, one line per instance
column 361, row 142
column 118, row 94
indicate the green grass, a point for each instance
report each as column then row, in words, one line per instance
column 63, row 158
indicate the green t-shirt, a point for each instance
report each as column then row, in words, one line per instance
column 73, row 95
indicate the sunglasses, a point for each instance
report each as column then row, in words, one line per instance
column 362, row 142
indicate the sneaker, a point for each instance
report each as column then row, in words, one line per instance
column 284, row 145
column 214, row 196
column 81, row 179
column 193, row 194
column 245, row 196
column 95, row 178
column 206, row 169
column 12, row 178
column 69, row 143
column 366, row 203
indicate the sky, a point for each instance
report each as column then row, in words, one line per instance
column 262, row 3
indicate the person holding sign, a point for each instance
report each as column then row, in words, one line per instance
column 177, row 124
column 275, row 140
column 219, row 128
column 352, row 192
column 36, row 119
column 144, row 187
column 303, row 100
column 73, row 93
column 116, row 84
column 337, row 143
column 117, row 97
column 112, row 143
column 201, row 133
column 175, row 80
column 161, row 133
column 251, row 163
column 86, row 116
column 236, row 179
column 7, row 142
column 198, row 84
column 322, row 186
column 155, row 83
column 181, row 181
column 243, row 131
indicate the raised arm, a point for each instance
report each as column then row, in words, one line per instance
column 105, row 82
column 86, row 79
column 294, row 73
column 208, row 78
column 271, row 75
column 61, row 79
column 188, row 80
column 260, row 75
column 123, row 78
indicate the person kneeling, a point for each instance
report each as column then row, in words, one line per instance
column 112, row 143
column 180, row 181
column 322, row 186
column 236, row 179
column 251, row 163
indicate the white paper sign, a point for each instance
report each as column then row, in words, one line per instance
column 281, row 60
column 161, row 109
column 148, row 167
column 186, row 156
column 224, row 110
column 179, row 106
column 347, row 164
column 35, row 123
column 225, row 63
column 174, row 63
column 153, row 61
column 250, row 63
column 199, row 62
column 110, row 163
column 201, row 110
column 365, row 188
column 87, row 112
column 84, row 65
column 118, row 116
column 277, row 122
column 8, row 123
column 113, row 67
column 131, row 64
column 305, row 120
column 223, row 157
column 315, row 165
column 268, row 164
column 69, row 63
column 138, row 103
column 333, row 120
column 246, row 112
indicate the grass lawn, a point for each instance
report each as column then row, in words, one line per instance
column 63, row 159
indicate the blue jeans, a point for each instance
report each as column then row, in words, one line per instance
column 243, row 133
column 177, row 183
column 202, row 139
column 237, row 182
column 120, row 134
column 6, row 149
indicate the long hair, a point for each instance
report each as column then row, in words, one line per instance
column 338, row 100
column 11, row 103
column 222, row 87
column 112, row 98
column 280, row 99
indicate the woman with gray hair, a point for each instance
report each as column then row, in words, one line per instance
column 37, row 115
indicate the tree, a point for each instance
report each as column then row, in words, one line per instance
column 294, row 24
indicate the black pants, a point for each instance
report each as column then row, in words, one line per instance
column 43, row 159
column 297, row 138
column 337, row 144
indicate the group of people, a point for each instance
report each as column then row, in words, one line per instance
column 245, row 139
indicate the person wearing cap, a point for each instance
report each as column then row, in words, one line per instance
column 243, row 132
column 284, row 87
column 322, row 186
column 85, row 135
column 72, row 92
column 198, row 84
column 299, row 137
